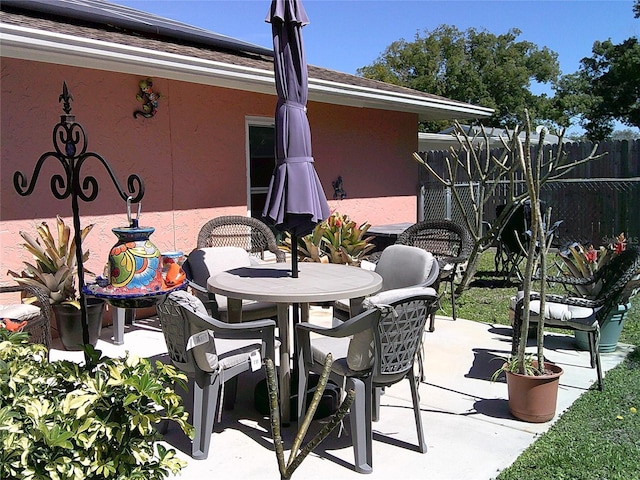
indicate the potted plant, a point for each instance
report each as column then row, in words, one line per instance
column 584, row 262
column 62, row 420
column 532, row 383
column 338, row 239
column 55, row 271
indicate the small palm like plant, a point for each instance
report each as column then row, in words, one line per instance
column 55, row 266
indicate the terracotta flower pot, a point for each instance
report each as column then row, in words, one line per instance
column 533, row 398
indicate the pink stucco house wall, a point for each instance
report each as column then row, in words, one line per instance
column 192, row 155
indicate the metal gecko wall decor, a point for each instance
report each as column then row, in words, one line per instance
column 149, row 99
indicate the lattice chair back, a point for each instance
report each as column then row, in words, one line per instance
column 176, row 334
column 398, row 338
column 237, row 231
column 177, row 330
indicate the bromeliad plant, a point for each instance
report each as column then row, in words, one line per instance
column 55, row 267
column 336, row 240
column 583, row 262
column 61, row 420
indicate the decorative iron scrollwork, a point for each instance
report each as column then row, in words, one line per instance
column 70, row 150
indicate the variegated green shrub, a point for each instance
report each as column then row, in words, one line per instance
column 60, row 420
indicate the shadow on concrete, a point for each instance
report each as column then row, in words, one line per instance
column 493, row 407
column 486, row 362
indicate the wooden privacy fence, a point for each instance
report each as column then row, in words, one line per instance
column 596, row 201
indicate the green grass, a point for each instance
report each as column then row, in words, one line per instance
column 487, row 300
column 598, row 437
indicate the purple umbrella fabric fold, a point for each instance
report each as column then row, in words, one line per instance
column 295, row 201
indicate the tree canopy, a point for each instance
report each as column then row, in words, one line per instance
column 497, row 71
column 604, row 89
column 473, row 66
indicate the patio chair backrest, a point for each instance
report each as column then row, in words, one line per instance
column 619, row 279
column 448, row 241
column 248, row 233
column 406, row 266
column 203, row 263
column 178, row 326
column 399, row 331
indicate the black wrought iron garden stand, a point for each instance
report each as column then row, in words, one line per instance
column 70, row 150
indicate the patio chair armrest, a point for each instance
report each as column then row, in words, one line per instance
column 566, row 300
column 569, row 280
column 357, row 324
column 253, row 325
column 39, row 328
column 41, row 296
column 445, row 260
column 220, row 327
column 211, row 304
column 197, row 287
column 575, row 301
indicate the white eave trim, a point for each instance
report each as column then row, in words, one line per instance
column 50, row 47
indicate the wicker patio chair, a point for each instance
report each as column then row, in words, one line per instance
column 238, row 231
column 38, row 323
column 372, row 350
column 449, row 242
column 620, row 280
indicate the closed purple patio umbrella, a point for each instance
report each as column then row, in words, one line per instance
column 295, row 202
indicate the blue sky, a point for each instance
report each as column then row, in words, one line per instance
column 347, row 34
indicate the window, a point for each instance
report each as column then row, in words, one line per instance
column 261, row 162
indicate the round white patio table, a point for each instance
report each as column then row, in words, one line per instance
column 316, row 282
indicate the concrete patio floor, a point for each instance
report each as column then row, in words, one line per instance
column 469, row 431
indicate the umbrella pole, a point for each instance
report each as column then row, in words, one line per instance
column 294, row 255
column 295, row 306
column 294, row 274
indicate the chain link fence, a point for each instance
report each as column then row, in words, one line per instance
column 592, row 210
column 599, row 202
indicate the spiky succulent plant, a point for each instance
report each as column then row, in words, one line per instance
column 336, row 240
column 55, row 268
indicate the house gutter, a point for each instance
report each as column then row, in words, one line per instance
column 51, row 47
